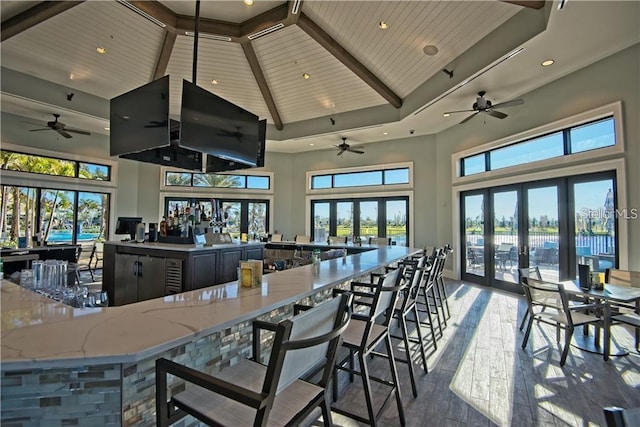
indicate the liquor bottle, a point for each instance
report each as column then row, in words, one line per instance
column 197, row 214
column 163, row 227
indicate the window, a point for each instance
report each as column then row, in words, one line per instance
column 60, row 216
column 575, row 139
column 366, row 217
column 241, row 216
column 392, row 176
column 21, row 162
column 592, row 136
column 212, row 180
column 546, row 147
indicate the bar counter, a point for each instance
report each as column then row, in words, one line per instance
column 55, row 357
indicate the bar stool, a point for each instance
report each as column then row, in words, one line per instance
column 249, row 393
column 365, row 332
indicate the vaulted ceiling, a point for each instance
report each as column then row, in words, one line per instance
column 364, row 82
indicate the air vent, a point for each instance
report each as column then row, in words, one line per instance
column 265, row 31
column 142, row 13
column 173, row 272
column 208, row 36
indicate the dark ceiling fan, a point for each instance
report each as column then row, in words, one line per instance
column 483, row 105
column 61, row 128
column 346, row 147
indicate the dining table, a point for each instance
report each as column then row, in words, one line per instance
column 608, row 294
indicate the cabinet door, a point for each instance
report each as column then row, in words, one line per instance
column 204, row 270
column 125, row 280
column 151, row 278
column 228, row 265
column 254, row 253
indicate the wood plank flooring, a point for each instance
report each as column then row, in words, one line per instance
column 480, row 375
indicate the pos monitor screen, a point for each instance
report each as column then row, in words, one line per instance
column 127, row 225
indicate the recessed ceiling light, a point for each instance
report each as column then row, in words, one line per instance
column 248, row 2
column 311, row 143
column 101, row 50
column 385, row 133
column 547, row 62
column 306, row 76
column 383, row 25
column 107, row 128
column 446, row 115
column 214, row 82
column 430, row 50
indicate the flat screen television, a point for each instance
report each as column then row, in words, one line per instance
column 139, row 119
column 127, row 225
column 216, row 127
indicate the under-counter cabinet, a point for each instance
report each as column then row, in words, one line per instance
column 139, row 278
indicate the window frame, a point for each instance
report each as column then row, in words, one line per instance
column 56, row 156
column 360, row 188
column 610, row 110
column 164, row 170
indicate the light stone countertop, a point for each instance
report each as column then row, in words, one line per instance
column 39, row 332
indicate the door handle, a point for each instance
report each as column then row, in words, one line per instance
column 139, row 268
column 135, row 268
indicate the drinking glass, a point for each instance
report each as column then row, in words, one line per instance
column 102, row 299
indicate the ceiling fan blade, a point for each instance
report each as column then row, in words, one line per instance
column 459, row 111
column 509, row 103
column 37, row 130
column 341, row 152
column 81, row 132
column 63, row 133
column 496, row 114
column 356, row 151
column 469, row 117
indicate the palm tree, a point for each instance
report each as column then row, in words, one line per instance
column 216, row 180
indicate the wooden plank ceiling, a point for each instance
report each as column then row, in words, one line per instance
column 352, row 63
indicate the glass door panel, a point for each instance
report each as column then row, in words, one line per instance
column 56, row 214
column 368, row 220
column 92, row 216
column 543, row 232
column 344, row 218
column 505, row 236
column 595, row 224
column 321, row 221
column 473, row 209
column 19, row 209
column 231, row 215
column 257, row 219
column 396, row 223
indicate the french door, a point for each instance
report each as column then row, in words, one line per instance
column 541, row 224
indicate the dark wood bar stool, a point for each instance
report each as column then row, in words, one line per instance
column 249, row 393
column 365, row 333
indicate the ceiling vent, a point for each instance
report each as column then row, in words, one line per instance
column 208, row 36
column 265, row 31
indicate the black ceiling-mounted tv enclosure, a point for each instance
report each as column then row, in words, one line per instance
column 213, row 134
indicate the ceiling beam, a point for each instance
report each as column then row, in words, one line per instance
column 341, row 54
column 165, row 55
column 209, row 26
column 532, row 4
column 278, row 14
column 33, row 16
column 262, row 83
column 293, row 17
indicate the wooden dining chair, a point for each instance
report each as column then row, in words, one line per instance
column 566, row 316
column 251, row 394
column 302, row 239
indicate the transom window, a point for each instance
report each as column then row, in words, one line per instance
column 392, row 176
column 594, row 135
column 211, row 180
column 21, row 162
